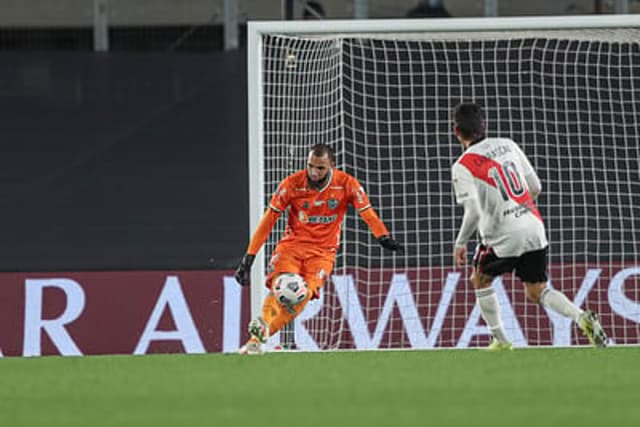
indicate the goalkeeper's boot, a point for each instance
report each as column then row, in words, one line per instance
column 592, row 329
column 496, row 345
column 259, row 330
column 253, row 346
column 258, row 335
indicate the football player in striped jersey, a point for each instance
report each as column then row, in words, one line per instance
column 497, row 185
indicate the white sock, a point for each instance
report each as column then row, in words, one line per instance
column 558, row 302
column 490, row 309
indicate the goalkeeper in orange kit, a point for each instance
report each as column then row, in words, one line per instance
column 317, row 199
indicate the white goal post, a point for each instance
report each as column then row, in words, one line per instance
column 566, row 88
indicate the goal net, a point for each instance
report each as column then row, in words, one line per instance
column 567, row 90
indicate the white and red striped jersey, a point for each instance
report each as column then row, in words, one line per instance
column 494, row 177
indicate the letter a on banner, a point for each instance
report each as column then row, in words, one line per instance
column 172, row 298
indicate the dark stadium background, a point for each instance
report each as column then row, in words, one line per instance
column 123, row 160
column 137, row 158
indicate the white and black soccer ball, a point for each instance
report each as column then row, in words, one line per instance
column 290, row 289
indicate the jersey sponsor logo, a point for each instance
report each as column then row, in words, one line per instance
column 319, row 219
column 503, row 177
column 316, row 219
column 519, row 210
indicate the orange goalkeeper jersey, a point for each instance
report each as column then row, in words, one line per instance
column 315, row 216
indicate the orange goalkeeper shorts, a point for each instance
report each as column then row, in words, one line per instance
column 313, row 263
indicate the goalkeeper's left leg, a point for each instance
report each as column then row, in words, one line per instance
column 274, row 317
column 277, row 315
column 315, row 268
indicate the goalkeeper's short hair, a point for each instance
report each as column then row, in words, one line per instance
column 320, row 150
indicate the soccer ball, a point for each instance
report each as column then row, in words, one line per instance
column 290, row 289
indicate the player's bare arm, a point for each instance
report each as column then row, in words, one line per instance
column 468, row 227
column 460, row 256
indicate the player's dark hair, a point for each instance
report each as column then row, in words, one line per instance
column 468, row 117
column 320, row 150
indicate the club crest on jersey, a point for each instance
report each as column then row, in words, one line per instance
column 332, row 203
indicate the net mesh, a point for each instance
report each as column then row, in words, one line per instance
column 570, row 99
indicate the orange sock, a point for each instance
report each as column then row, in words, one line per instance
column 276, row 315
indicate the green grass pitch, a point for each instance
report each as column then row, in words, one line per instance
column 533, row 387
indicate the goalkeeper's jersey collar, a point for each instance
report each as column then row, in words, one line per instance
column 328, row 178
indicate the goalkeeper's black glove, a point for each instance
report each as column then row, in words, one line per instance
column 389, row 243
column 243, row 272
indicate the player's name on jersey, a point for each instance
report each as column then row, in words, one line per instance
column 500, row 150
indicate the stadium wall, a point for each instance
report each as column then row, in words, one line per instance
column 122, row 161
column 178, row 311
column 123, row 312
